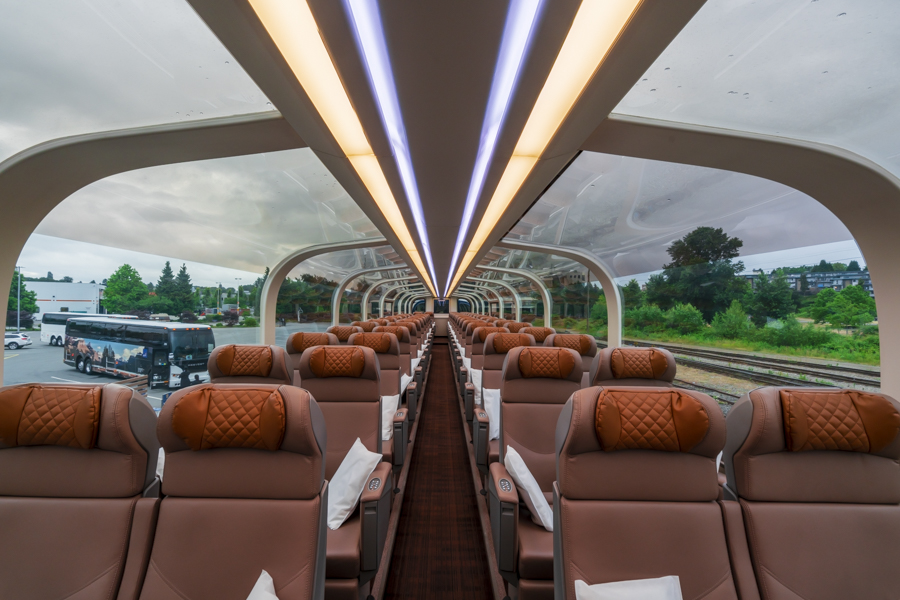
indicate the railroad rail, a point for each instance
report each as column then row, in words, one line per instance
column 717, row 394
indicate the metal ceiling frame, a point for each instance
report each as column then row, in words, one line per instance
column 338, row 293
column 545, row 293
column 511, row 289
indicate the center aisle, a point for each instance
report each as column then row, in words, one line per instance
column 439, row 552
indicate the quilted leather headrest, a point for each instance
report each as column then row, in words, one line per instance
column 483, row 332
column 502, row 343
column 236, row 360
column 343, row 332
column 335, row 361
column 76, row 441
column 551, row 363
column 539, row 333
column 400, row 331
column 473, row 325
column 845, row 420
column 639, row 419
column 381, row 322
column 381, row 342
column 365, row 325
column 207, row 418
column 641, row 363
column 582, row 344
column 300, row 341
column 516, row 327
column 814, row 445
column 34, row 415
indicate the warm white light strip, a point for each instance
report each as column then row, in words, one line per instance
column 291, row 26
column 594, row 30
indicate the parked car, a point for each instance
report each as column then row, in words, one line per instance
column 14, row 341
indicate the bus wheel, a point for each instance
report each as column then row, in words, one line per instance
column 79, row 364
column 88, row 367
column 53, row 341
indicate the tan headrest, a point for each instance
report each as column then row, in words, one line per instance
column 539, row 333
column 636, row 419
column 236, row 360
column 343, row 332
column 300, row 341
column 207, row 418
column 381, row 322
column 35, row 415
column 516, row 327
column 641, row 363
column 582, row 344
column 550, row 363
column 337, row 361
column 381, row 342
column 483, row 332
column 400, row 331
column 848, row 420
column 502, row 343
column 365, row 325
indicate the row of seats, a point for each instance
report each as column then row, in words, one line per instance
column 629, row 467
column 248, row 458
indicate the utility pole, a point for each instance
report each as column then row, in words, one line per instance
column 19, row 301
column 238, row 294
column 218, row 294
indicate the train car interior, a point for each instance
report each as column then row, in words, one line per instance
column 541, row 300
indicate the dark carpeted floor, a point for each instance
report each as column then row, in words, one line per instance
column 439, row 552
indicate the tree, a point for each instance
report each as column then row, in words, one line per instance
column 124, row 290
column 733, row 323
column 770, row 299
column 820, row 311
column 67, row 279
column 851, row 307
column 684, row 319
column 804, row 284
column 703, row 245
column 29, row 298
column 166, row 284
column 632, row 294
column 182, row 294
column 822, row 267
column 853, row 266
column 49, row 276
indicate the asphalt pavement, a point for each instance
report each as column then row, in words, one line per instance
column 43, row 363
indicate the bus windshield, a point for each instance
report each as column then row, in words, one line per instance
column 192, row 344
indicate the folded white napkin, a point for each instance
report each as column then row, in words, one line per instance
column 404, row 381
column 161, row 465
column 348, row 481
column 541, row 513
column 389, row 406
column 415, row 363
column 663, row 588
column 491, row 401
column 264, row 588
column 475, row 378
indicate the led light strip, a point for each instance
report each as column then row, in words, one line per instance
column 370, row 38
column 291, row 26
column 594, row 30
column 520, row 22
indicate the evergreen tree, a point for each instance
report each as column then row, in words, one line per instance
column 770, row 299
column 804, row 283
column 853, row 266
column 182, row 294
column 124, row 290
column 166, row 284
column 632, row 294
column 29, row 298
column 67, row 279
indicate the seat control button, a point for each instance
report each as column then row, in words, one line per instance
column 374, row 484
column 505, row 485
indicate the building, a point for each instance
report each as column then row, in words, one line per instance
column 58, row 296
column 818, row 281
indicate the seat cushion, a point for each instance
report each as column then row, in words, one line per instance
column 342, row 553
column 535, row 550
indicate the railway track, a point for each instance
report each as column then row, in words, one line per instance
column 718, row 394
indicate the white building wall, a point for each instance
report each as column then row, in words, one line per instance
column 55, row 296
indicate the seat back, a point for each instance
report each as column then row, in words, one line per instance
column 538, row 333
column 515, row 327
column 244, row 480
column 343, row 332
column 469, row 330
column 496, row 347
column 585, row 345
column 536, row 382
column 817, row 472
column 246, row 363
column 74, row 461
column 366, row 326
column 298, row 342
column 402, row 334
column 413, row 334
column 647, row 367
column 636, row 491
column 479, row 335
column 346, row 383
column 387, row 350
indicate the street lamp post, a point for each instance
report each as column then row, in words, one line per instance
column 238, row 294
column 218, row 294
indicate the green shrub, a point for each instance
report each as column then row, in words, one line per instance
column 731, row 324
column 646, row 318
column 685, row 319
column 250, row 322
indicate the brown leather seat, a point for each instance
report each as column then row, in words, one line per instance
column 298, row 342
column 537, row 381
column 636, row 494
column 387, row 351
column 539, row 333
column 817, row 473
column 516, row 327
column 246, row 363
column 244, row 481
column 585, row 345
column 345, row 381
column 74, row 463
column 366, row 326
column 648, row 367
column 343, row 332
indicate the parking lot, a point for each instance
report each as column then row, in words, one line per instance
column 43, row 363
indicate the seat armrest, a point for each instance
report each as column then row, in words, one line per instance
column 504, row 509
column 412, row 400
column 739, row 551
column 481, row 433
column 469, row 400
column 463, row 378
column 401, row 435
column 374, row 512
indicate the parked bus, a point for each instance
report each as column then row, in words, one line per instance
column 170, row 354
column 53, row 325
